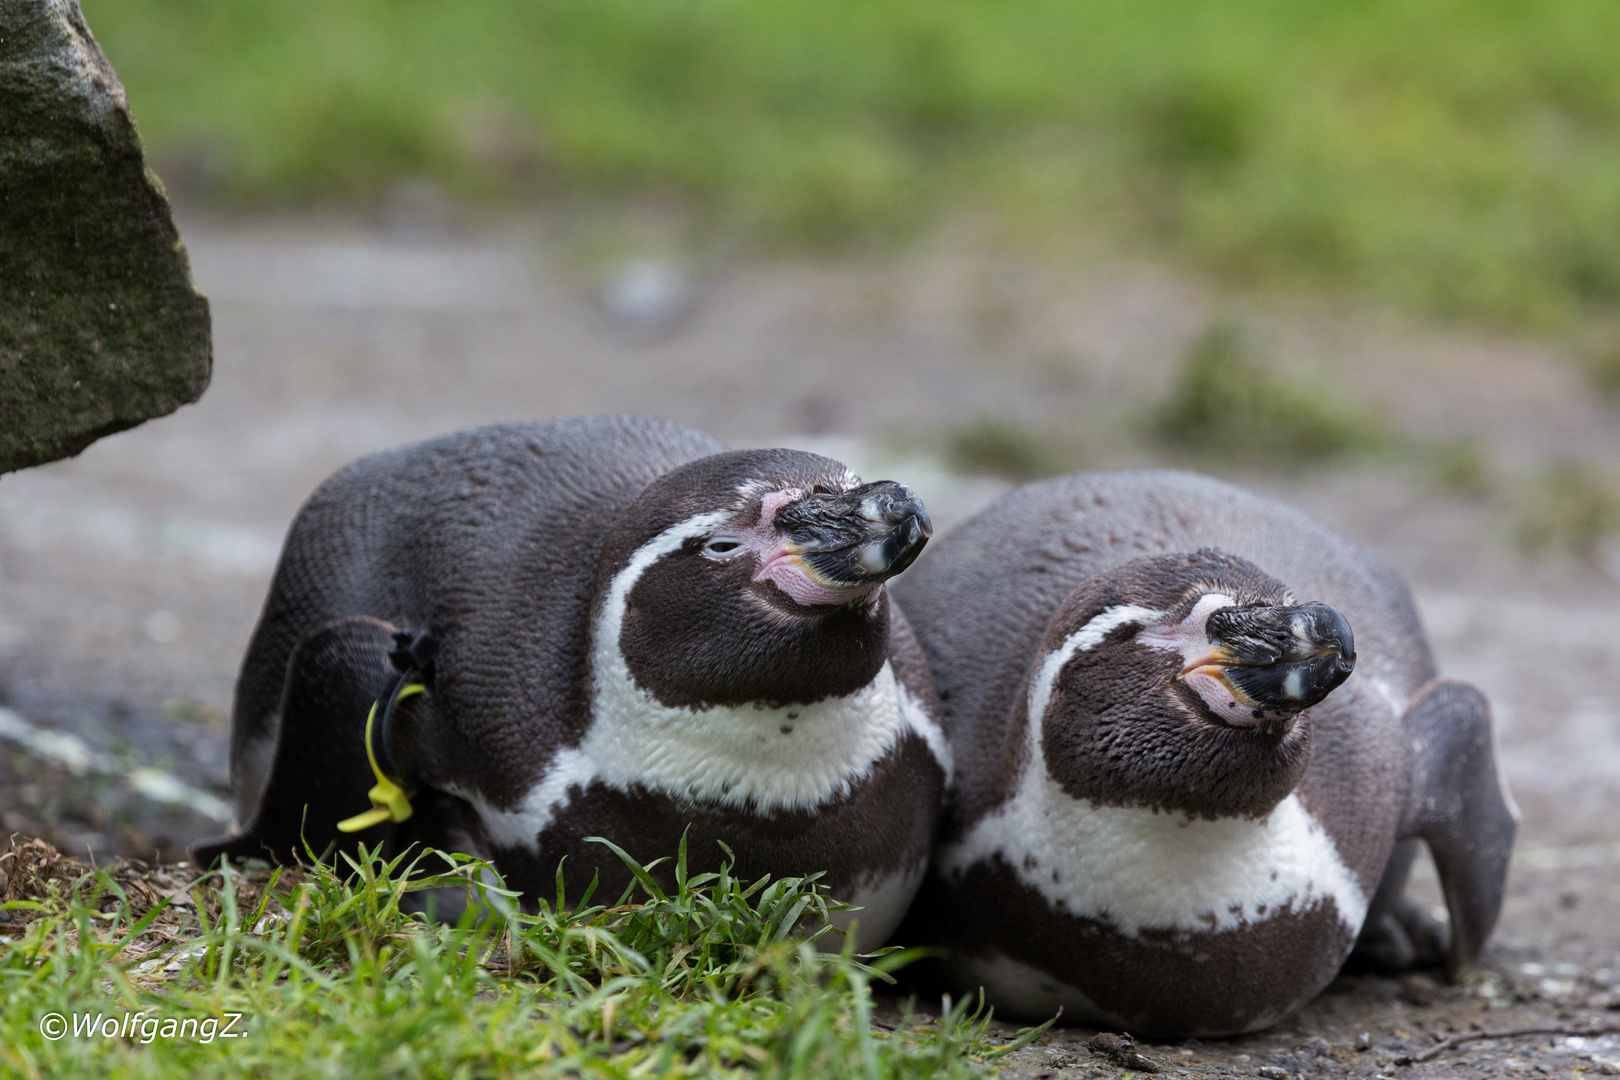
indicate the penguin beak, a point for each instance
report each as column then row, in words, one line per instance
column 1278, row 661
column 856, row 538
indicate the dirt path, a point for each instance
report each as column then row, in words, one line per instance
column 130, row 577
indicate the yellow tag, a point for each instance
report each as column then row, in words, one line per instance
column 389, row 801
column 375, row 816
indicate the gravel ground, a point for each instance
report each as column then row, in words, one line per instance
column 131, row 576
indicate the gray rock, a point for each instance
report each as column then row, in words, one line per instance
column 100, row 324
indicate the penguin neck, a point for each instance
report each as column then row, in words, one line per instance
column 764, row 755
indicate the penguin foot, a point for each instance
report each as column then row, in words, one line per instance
column 1406, row 938
column 442, row 823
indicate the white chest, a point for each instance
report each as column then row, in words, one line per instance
column 754, row 760
column 1140, row 870
column 760, row 759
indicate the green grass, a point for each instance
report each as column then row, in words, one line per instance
column 717, row 978
column 1009, row 448
column 1228, row 404
column 1603, row 368
column 1569, row 509
column 1460, row 157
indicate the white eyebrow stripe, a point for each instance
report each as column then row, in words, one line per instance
column 1085, row 639
column 1091, row 635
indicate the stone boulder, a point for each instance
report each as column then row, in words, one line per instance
column 100, row 324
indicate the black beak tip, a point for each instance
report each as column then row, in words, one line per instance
column 899, row 503
column 1330, row 630
column 919, row 514
column 912, row 537
column 1338, row 631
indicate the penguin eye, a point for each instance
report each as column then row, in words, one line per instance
column 721, row 545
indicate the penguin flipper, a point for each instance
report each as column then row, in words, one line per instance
column 1460, row 807
column 320, row 774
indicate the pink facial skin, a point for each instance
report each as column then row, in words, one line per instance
column 782, row 567
column 1203, row 663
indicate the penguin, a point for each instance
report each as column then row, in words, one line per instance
column 535, row 633
column 1199, row 739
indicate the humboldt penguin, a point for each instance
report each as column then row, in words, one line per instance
column 1176, row 811
column 517, row 637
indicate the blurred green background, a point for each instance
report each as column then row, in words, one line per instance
column 1458, row 159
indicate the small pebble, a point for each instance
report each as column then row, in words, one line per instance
column 1419, row 990
column 1122, row 1051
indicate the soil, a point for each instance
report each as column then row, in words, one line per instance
column 131, row 576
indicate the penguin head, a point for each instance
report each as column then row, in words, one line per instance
column 1182, row 682
column 757, row 576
